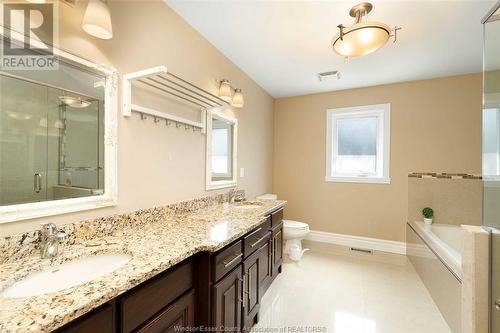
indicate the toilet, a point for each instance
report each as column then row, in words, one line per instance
column 294, row 232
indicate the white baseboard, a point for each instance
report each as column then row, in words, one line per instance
column 358, row 242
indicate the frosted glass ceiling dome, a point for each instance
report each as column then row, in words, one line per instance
column 361, row 38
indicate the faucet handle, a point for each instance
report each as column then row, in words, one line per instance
column 62, row 236
column 49, row 228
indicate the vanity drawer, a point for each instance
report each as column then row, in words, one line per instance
column 256, row 238
column 226, row 259
column 276, row 217
column 140, row 304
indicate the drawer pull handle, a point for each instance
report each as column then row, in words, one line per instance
column 255, row 231
column 259, row 240
column 232, row 261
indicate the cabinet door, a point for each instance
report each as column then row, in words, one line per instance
column 266, row 267
column 277, row 250
column 227, row 302
column 253, row 268
column 100, row 320
column 174, row 317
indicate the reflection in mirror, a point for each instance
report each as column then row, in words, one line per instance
column 221, row 151
column 222, row 141
column 51, row 135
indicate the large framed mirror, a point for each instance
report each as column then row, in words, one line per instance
column 57, row 139
column 221, row 150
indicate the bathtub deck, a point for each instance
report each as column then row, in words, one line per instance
column 340, row 291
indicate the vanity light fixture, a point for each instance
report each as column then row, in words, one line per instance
column 238, row 100
column 234, row 96
column 362, row 38
column 225, row 90
column 97, row 20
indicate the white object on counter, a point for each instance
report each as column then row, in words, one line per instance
column 268, row 196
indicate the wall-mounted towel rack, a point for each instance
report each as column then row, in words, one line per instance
column 160, row 80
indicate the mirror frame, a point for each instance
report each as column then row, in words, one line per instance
column 19, row 212
column 218, row 184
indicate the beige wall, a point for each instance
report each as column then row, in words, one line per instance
column 435, row 126
column 454, row 201
column 159, row 165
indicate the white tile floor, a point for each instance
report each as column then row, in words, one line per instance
column 339, row 291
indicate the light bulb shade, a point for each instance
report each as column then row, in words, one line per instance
column 97, row 20
column 225, row 91
column 361, row 39
column 238, row 101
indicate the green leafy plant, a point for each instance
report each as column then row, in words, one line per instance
column 427, row 212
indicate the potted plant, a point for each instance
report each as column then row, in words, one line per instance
column 428, row 214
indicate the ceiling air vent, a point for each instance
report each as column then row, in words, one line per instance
column 328, row 76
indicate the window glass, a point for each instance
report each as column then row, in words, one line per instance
column 356, row 145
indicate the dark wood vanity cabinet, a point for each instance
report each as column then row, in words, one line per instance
column 227, row 300
column 99, row 320
column 277, row 241
column 222, row 290
column 175, row 316
column 253, row 266
column 277, row 249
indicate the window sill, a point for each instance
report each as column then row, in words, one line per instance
column 360, row 180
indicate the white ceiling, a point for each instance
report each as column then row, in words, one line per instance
column 282, row 45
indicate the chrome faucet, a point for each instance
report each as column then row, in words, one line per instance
column 50, row 239
column 235, row 196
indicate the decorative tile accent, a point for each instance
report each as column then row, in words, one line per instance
column 443, row 175
column 155, row 238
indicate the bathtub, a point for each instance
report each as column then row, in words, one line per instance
column 445, row 240
column 435, row 253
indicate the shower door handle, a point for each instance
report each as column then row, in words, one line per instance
column 497, row 304
column 37, row 182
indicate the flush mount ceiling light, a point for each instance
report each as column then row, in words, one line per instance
column 74, row 102
column 97, row 20
column 362, row 38
column 238, row 101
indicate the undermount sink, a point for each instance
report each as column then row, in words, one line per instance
column 248, row 205
column 66, row 275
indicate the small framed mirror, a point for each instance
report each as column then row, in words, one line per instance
column 221, row 150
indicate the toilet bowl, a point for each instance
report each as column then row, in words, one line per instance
column 294, row 232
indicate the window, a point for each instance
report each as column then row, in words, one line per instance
column 357, row 144
column 491, row 143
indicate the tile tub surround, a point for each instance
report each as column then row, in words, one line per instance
column 156, row 238
column 455, row 198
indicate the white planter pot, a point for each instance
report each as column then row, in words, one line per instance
column 428, row 221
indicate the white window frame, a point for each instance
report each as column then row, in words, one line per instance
column 383, row 114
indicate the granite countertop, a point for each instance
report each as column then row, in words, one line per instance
column 154, row 247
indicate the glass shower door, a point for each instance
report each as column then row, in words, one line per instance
column 23, row 141
column 491, row 155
